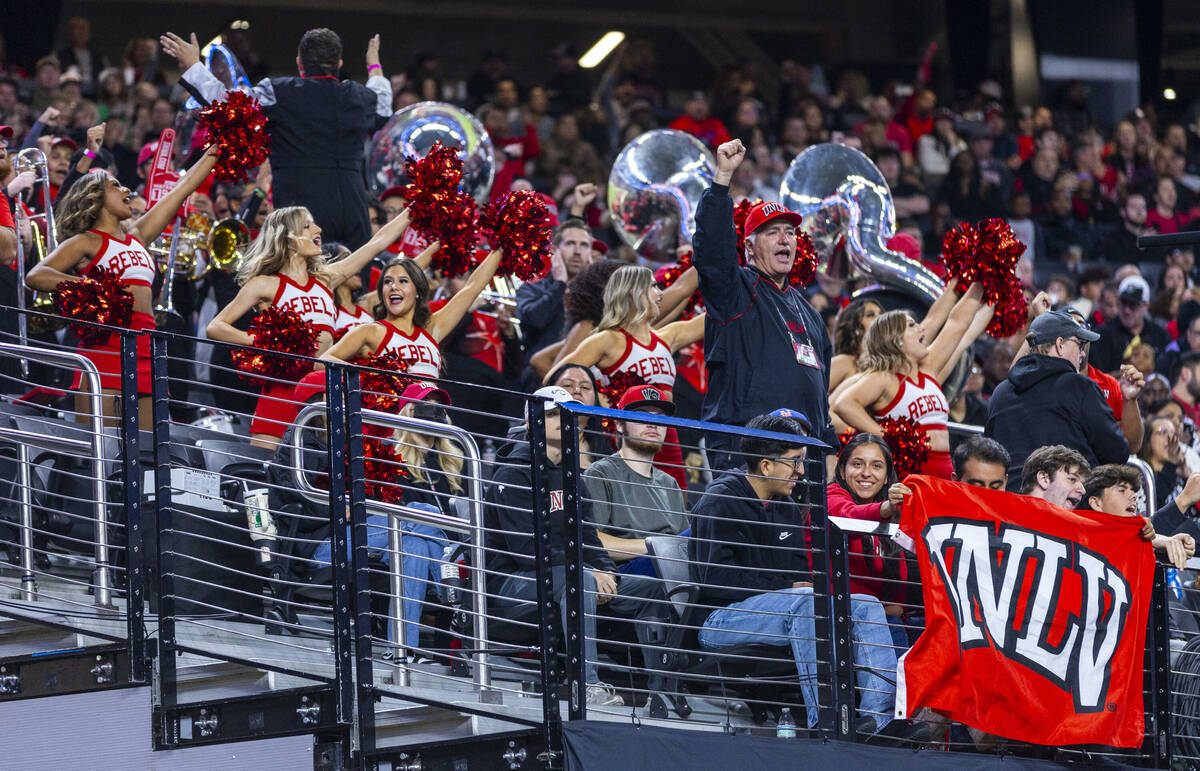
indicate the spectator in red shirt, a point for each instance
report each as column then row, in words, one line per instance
column 697, row 121
column 896, row 134
column 1163, row 217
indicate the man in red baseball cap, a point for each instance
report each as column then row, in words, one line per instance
column 764, row 344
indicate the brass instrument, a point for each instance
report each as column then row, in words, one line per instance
column 191, row 244
column 33, row 159
column 165, row 306
column 503, row 291
column 227, row 243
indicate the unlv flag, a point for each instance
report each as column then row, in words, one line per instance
column 1035, row 617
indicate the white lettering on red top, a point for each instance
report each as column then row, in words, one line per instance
column 653, row 363
column 312, row 302
column 419, row 349
column 127, row 259
column 922, row 401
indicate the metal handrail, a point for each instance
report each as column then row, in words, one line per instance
column 101, row 582
column 397, row 512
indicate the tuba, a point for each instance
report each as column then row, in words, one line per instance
column 227, row 243
column 411, row 132
column 654, row 189
column 848, row 212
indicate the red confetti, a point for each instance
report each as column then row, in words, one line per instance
column 99, row 297
column 519, row 223
column 383, row 470
column 239, row 126
column 380, row 390
column 908, row 442
column 282, row 331
column 440, row 211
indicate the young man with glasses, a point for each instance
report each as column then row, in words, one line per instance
column 1045, row 400
column 747, row 554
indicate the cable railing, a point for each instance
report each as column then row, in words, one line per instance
column 400, row 558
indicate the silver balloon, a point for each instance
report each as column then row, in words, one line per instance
column 848, row 212
column 654, row 189
column 411, row 132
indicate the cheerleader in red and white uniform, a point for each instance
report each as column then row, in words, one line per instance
column 89, row 226
column 286, row 268
column 624, row 341
column 405, row 323
column 900, row 376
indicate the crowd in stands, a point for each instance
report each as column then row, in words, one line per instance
column 1108, row 364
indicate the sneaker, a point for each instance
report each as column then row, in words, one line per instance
column 902, row 733
column 603, row 695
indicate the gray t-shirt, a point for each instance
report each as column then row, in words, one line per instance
column 624, row 501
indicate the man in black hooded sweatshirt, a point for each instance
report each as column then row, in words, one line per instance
column 1045, row 400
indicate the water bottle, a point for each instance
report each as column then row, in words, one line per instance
column 786, row 727
column 259, row 520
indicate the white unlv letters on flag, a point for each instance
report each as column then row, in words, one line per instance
column 1035, row 616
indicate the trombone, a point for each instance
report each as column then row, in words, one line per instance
column 33, row 159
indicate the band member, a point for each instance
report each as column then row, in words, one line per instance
column 625, row 342
column 405, row 323
column 89, row 224
column 286, row 268
column 319, row 125
column 901, row 376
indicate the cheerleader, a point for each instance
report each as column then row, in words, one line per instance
column 286, row 268
column 89, row 224
column 900, row 375
column 625, row 342
column 405, row 324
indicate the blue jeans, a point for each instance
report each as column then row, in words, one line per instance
column 787, row 615
column 421, row 547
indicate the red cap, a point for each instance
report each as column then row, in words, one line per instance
column 599, row 246
column 646, row 396
column 6, row 131
column 395, row 190
column 71, row 143
column 766, row 211
column 309, row 386
column 906, row 245
column 419, row 392
column 147, row 152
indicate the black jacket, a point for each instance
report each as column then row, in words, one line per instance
column 1046, row 401
column 751, row 331
column 1108, row 352
column 508, row 516
column 542, row 314
column 739, row 547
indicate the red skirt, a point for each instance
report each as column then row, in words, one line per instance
column 107, row 358
column 276, row 409
column 937, row 465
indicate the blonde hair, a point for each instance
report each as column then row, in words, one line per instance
column 882, row 346
column 81, row 206
column 449, row 455
column 272, row 250
column 627, row 298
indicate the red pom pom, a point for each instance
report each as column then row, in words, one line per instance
column 519, row 223
column 741, row 210
column 804, row 269
column 845, row 437
column 383, row 470
column 618, row 383
column 908, row 442
column 380, row 390
column 988, row 253
column 98, row 297
column 440, row 211
column 671, row 274
column 283, row 331
column 239, row 126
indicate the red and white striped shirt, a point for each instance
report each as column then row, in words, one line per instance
column 923, row 401
column 126, row 258
column 313, row 301
column 419, row 349
column 653, row 363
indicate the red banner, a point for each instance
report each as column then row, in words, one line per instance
column 1035, row 617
